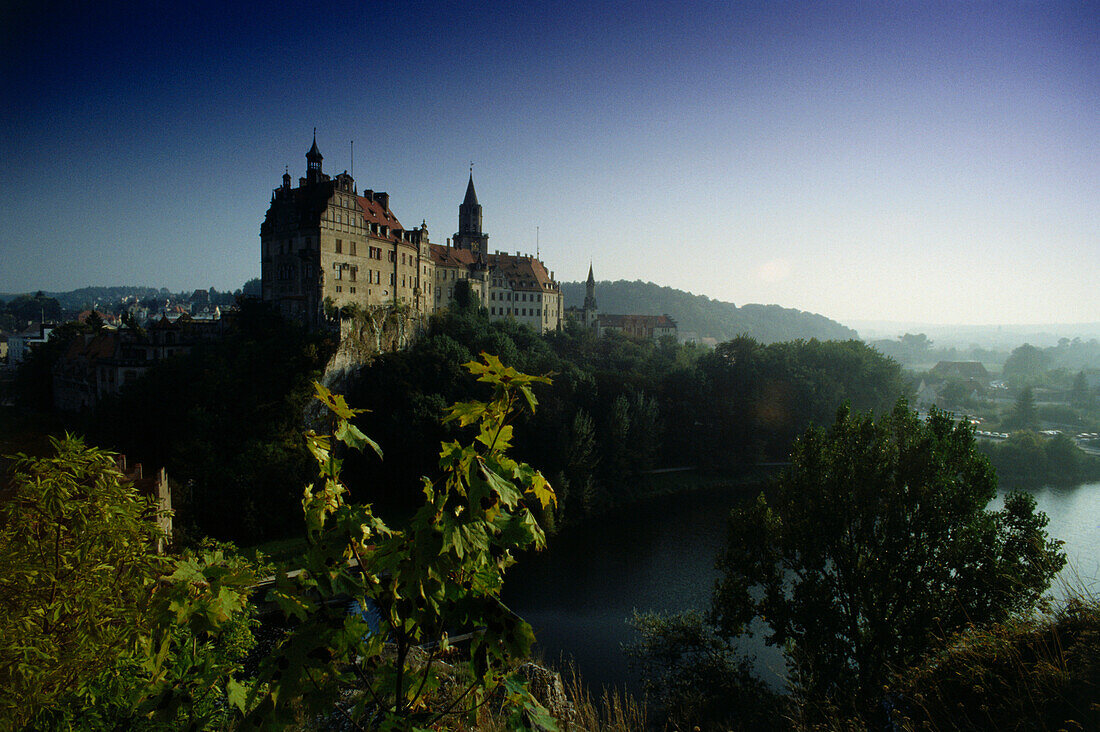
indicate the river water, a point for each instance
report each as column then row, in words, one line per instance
column 659, row 555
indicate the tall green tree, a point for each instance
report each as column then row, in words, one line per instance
column 1081, row 396
column 875, row 542
column 442, row 575
column 1025, row 416
column 75, row 572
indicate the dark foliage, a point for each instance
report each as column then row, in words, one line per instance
column 1029, row 459
column 225, row 421
column 1028, row 673
column 618, row 407
column 17, row 313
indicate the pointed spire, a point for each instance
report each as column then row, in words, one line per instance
column 591, row 279
column 314, row 153
column 471, row 194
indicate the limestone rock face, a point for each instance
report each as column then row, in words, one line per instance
column 547, row 688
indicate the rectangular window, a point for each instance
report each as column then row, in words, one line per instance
column 393, row 258
column 393, row 278
column 352, row 290
column 339, row 289
column 339, row 247
column 351, row 246
column 354, row 272
column 339, row 275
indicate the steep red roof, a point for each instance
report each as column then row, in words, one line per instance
column 523, row 273
column 103, row 345
column 375, row 213
column 633, row 321
column 444, row 256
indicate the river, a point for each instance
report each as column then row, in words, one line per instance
column 659, row 555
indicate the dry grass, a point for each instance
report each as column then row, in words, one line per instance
column 614, row 711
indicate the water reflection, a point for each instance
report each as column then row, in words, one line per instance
column 1074, row 515
column 656, row 555
column 659, row 555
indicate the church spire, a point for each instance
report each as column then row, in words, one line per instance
column 591, row 311
column 471, row 194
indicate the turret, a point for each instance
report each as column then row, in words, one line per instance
column 313, row 161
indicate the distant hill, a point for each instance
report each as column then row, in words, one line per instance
column 706, row 317
column 86, row 296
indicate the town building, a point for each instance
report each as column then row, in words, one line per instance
column 97, row 365
column 20, row 345
column 325, row 244
column 648, row 327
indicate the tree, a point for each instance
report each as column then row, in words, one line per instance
column 96, row 629
column 918, row 343
column 1024, row 417
column 1026, row 365
column 74, row 562
column 875, row 542
column 465, row 298
column 414, row 587
column 1035, row 672
column 94, row 321
column 695, row 678
column 1081, row 396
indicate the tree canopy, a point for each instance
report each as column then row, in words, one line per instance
column 875, row 542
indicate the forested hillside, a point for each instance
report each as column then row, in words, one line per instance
column 709, row 318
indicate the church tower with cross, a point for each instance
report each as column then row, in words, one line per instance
column 469, row 234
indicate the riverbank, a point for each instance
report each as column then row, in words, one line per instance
column 661, row 483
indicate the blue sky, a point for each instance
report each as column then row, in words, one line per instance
column 935, row 162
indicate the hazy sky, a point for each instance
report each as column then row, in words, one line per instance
column 884, row 160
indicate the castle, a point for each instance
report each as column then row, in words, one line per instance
column 323, row 244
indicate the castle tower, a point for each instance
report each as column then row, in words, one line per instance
column 469, row 234
column 313, row 161
column 591, row 312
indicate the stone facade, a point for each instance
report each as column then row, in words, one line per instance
column 323, row 242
